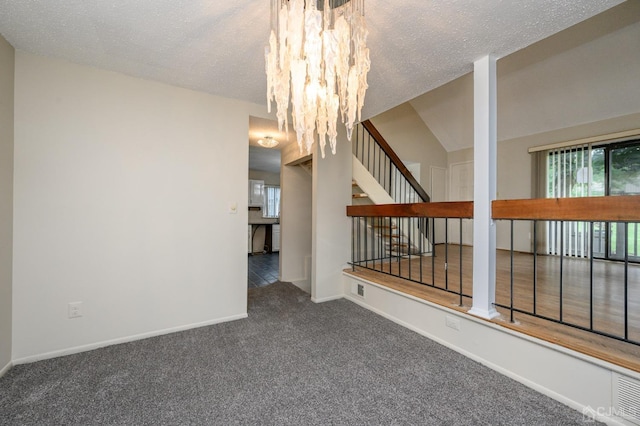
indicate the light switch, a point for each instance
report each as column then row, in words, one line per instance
column 233, row 208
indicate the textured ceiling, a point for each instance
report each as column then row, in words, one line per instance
column 584, row 74
column 218, row 47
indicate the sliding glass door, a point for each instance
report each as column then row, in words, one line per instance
column 584, row 171
column 624, row 179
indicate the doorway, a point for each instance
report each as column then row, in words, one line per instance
column 263, row 238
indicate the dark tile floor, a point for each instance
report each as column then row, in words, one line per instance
column 263, row 269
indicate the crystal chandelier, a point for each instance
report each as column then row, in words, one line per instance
column 317, row 60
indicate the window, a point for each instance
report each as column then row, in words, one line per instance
column 271, row 205
column 584, row 171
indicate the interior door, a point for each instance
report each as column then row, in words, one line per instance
column 461, row 189
column 438, row 192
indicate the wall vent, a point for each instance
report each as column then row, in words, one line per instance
column 626, row 398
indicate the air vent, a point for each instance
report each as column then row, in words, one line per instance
column 626, row 398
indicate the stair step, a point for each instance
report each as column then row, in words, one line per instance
column 360, row 195
column 384, row 226
column 403, row 245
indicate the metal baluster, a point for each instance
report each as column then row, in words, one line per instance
column 357, row 141
column 366, row 245
column 460, row 262
column 390, row 244
column 511, row 272
column 535, row 265
column 433, row 252
column 399, row 227
column 359, row 241
column 561, row 262
column 446, row 253
column 353, row 244
column 421, row 250
column 591, row 227
column 375, row 148
column 626, row 281
column 409, row 232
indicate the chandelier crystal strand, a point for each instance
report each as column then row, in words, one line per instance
column 317, row 61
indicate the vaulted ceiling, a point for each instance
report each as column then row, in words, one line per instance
column 584, row 74
column 218, row 46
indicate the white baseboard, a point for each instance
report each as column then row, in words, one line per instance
column 303, row 285
column 97, row 345
column 326, row 299
column 6, row 368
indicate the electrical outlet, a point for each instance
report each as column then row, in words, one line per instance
column 452, row 322
column 360, row 290
column 75, row 309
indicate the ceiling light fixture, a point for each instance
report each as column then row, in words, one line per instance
column 317, row 60
column 268, row 142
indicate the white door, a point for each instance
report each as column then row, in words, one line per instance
column 461, row 189
column 438, row 192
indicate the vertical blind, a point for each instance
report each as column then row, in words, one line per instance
column 569, row 173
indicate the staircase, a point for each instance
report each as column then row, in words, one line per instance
column 380, row 177
column 358, row 195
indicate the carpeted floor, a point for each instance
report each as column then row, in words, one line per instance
column 292, row 362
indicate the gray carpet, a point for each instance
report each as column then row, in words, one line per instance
column 292, row 362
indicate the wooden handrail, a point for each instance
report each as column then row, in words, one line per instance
column 623, row 208
column 454, row 209
column 395, row 159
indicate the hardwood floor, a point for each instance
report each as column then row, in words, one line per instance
column 443, row 272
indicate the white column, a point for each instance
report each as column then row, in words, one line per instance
column 484, row 175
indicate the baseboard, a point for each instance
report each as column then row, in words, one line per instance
column 6, row 368
column 326, row 299
column 303, row 285
column 98, row 345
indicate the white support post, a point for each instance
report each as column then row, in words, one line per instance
column 484, row 192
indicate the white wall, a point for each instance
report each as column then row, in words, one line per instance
column 331, row 227
column 412, row 140
column 121, row 196
column 7, row 56
column 295, row 226
column 593, row 81
column 585, row 74
column 267, row 177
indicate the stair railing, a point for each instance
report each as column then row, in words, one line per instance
column 385, row 166
column 381, row 161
